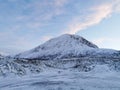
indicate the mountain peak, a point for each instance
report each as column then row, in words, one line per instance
column 60, row 46
column 70, row 38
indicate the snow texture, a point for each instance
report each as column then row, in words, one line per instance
column 64, row 80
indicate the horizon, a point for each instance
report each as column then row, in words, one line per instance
column 27, row 24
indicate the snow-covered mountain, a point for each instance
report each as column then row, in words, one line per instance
column 70, row 52
column 67, row 46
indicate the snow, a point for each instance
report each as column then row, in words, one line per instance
column 101, row 69
column 61, row 76
column 56, row 79
column 1, row 56
column 63, row 46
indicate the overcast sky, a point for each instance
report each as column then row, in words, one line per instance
column 25, row 24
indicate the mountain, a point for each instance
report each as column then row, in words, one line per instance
column 67, row 46
column 66, row 52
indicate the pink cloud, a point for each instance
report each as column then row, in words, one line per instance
column 99, row 13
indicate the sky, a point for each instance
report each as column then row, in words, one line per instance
column 25, row 24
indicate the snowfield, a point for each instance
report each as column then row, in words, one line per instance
column 57, row 79
column 66, row 74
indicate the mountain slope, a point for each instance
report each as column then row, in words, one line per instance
column 66, row 46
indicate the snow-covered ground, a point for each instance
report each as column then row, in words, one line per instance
column 56, row 79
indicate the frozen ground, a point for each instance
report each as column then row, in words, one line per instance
column 64, row 80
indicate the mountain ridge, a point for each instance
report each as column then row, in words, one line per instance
column 65, row 46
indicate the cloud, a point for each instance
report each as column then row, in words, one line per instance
column 39, row 13
column 95, row 16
